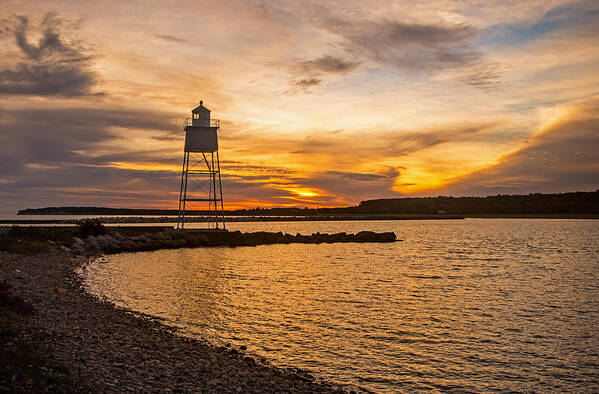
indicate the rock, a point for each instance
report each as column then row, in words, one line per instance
column 92, row 243
column 163, row 236
column 119, row 237
column 110, row 238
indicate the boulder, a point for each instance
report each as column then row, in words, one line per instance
column 93, row 244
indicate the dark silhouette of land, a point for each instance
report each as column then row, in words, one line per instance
column 534, row 204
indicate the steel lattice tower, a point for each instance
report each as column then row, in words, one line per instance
column 200, row 173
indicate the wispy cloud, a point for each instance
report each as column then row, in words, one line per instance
column 327, row 64
column 55, row 66
column 306, row 83
column 173, row 39
column 565, row 156
column 391, row 110
column 410, row 47
column 63, row 135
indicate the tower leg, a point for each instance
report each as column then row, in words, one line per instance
column 220, row 191
column 213, row 190
column 186, row 172
column 179, row 211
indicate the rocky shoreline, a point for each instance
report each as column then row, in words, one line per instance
column 118, row 241
column 98, row 347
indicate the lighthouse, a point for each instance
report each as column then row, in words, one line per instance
column 201, row 187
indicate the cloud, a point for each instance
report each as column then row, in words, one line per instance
column 415, row 48
column 51, row 136
column 89, row 185
column 311, row 71
column 57, row 156
column 344, row 188
column 55, row 66
column 563, row 157
column 306, row 83
column 382, row 144
column 356, row 176
column 167, row 138
column 327, row 64
column 385, row 74
column 484, row 76
column 68, row 163
column 263, row 169
column 409, row 47
column 407, row 143
column 335, row 157
column 172, row 39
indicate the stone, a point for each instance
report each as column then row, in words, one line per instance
column 92, row 243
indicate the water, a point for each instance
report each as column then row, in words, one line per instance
column 79, row 217
column 69, row 217
column 472, row 305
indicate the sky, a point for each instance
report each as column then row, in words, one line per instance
column 321, row 103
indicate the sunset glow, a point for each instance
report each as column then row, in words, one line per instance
column 321, row 103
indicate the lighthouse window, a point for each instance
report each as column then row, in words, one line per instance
column 196, row 116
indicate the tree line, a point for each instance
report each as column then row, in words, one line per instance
column 534, row 203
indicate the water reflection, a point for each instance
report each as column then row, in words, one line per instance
column 467, row 305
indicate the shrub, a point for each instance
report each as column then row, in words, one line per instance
column 89, row 227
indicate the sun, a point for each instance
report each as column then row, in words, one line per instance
column 304, row 193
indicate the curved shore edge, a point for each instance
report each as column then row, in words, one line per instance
column 58, row 337
column 108, row 349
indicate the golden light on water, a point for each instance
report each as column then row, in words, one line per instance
column 449, row 307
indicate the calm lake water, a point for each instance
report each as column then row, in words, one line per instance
column 469, row 305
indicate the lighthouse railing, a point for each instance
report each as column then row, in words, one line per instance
column 213, row 122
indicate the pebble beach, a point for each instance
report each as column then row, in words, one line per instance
column 113, row 350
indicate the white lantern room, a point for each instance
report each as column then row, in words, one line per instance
column 200, row 131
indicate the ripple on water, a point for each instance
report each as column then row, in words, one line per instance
column 520, row 315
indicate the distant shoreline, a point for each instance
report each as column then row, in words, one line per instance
column 200, row 219
column 537, row 205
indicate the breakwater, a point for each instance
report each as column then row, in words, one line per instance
column 134, row 240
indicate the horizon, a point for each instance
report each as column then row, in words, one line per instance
column 305, row 207
column 320, row 105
